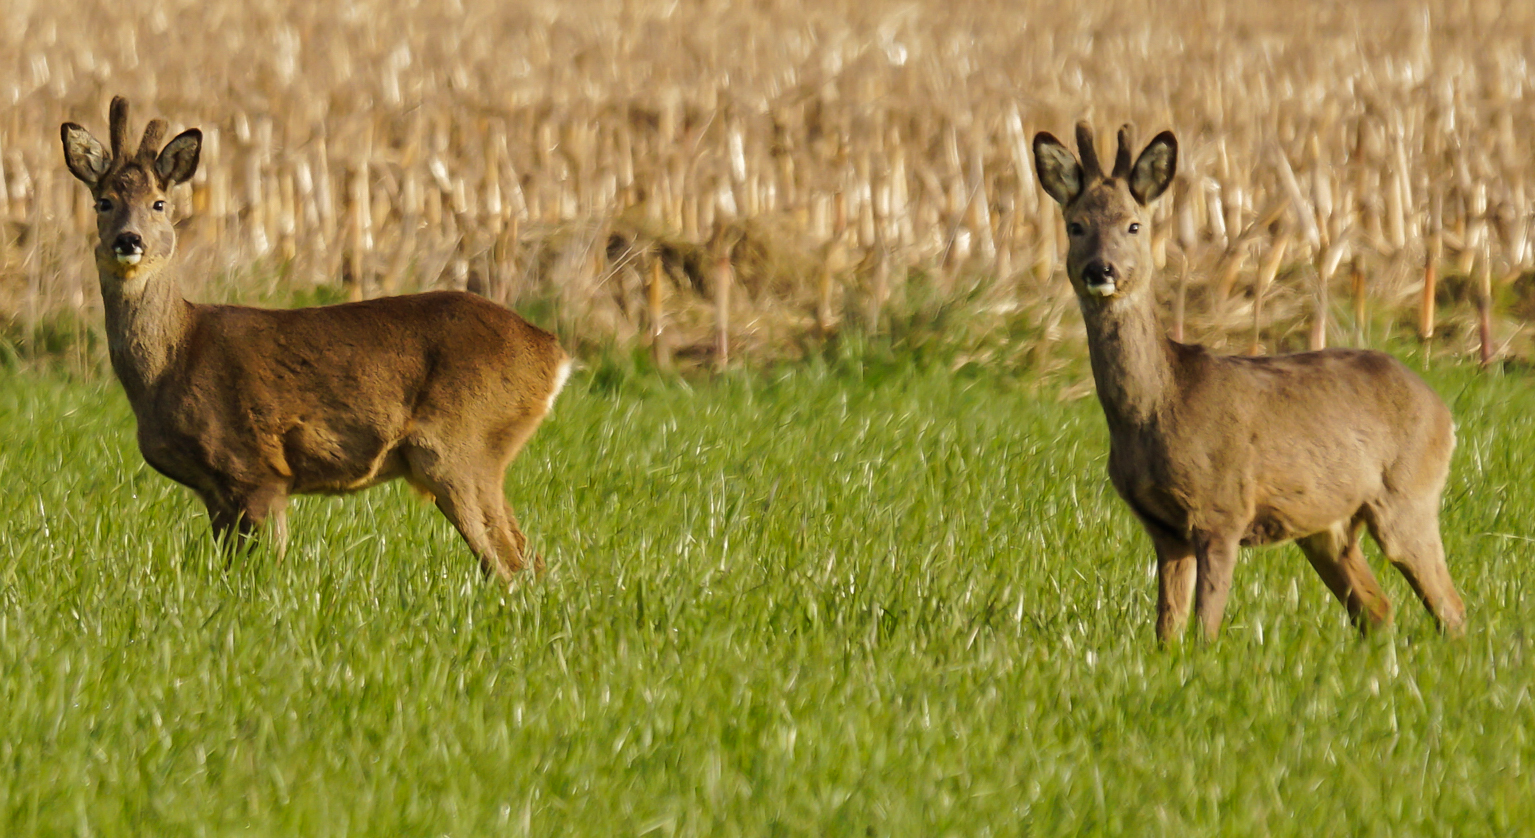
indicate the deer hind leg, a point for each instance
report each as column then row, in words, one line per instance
column 511, row 544
column 1338, row 560
column 1176, row 575
column 1409, row 536
column 460, row 494
column 1215, row 558
column 461, row 506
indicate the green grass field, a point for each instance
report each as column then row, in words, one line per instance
column 890, row 601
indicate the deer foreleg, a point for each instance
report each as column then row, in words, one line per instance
column 1175, row 585
column 236, row 519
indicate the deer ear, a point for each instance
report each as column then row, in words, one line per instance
column 1059, row 172
column 83, row 154
column 178, row 160
column 1155, row 168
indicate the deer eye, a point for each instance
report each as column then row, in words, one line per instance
column 1074, row 229
column 1135, row 228
column 159, row 206
column 104, row 205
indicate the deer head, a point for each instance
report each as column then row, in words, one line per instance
column 133, row 217
column 1108, row 219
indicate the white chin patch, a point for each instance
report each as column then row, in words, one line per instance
column 129, row 258
column 1105, row 289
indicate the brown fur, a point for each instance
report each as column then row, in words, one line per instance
column 247, row 406
column 1212, row 452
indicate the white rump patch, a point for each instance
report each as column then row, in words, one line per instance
column 560, row 376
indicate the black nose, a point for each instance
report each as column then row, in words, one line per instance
column 1098, row 271
column 128, row 243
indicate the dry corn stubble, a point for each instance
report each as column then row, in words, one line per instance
column 861, row 154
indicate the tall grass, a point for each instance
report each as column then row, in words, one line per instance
column 847, row 599
column 846, row 157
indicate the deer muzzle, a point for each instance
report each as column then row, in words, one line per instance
column 128, row 247
column 1100, row 278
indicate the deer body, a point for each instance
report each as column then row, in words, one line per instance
column 1216, row 452
column 248, row 406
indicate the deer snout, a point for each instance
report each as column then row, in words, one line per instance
column 129, row 248
column 1100, row 277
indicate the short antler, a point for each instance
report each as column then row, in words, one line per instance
column 149, row 147
column 1090, row 168
column 118, row 126
column 1122, row 157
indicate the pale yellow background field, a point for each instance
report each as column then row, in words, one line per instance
column 854, row 155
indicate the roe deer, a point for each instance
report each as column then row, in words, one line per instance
column 247, row 406
column 1212, row 452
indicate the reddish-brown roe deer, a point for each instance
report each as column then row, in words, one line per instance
column 247, row 406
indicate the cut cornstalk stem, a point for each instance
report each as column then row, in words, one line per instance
column 722, row 281
column 653, row 303
column 1484, row 306
column 1356, row 282
column 1266, row 273
column 1430, row 283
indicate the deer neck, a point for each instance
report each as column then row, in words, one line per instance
column 1132, row 359
column 147, row 324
